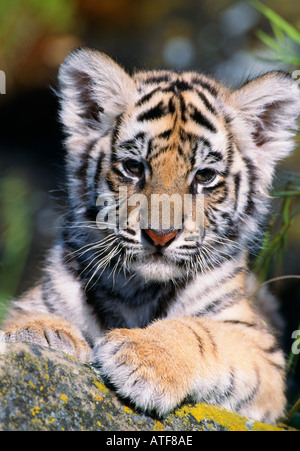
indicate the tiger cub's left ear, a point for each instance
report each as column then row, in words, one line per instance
column 94, row 90
column 265, row 116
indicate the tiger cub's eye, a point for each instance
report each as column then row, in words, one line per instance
column 134, row 167
column 205, row 176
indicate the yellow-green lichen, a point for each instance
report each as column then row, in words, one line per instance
column 158, row 426
column 101, row 387
column 231, row 421
column 128, row 410
column 64, row 398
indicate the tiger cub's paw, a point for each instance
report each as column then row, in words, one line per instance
column 49, row 331
column 143, row 369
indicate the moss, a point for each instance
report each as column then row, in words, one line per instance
column 41, row 389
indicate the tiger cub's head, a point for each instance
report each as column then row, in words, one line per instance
column 173, row 167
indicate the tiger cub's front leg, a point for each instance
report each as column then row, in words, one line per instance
column 226, row 363
column 47, row 330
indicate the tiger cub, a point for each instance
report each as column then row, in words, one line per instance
column 163, row 308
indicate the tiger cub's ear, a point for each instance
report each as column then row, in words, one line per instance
column 265, row 116
column 94, row 90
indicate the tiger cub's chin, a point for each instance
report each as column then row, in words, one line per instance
column 158, row 270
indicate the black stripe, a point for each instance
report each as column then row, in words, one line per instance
column 157, row 79
column 147, row 97
column 222, row 198
column 227, row 392
column 219, row 304
column 251, row 395
column 190, row 137
column 250, row 207
column 128, row 145
column 111, row 185
column 140, row 136
column 165, row 135
column 211, row 219
column 229, row 154
column 205, row 142
column 210, row 337
column 199, row 340
column 239, row 323
column 273, row 349
column 237, row 184
column 205, row 85
column 207, row 103
column 216, row 156
column 181, row 153
column 116, row 129
column 81, row 172
column 130, row 231
column 178, row 86
column 160, row 151
column 149, row 149
column 182, row 109
column 171, row 106
column 114, row 137
column 187, row 246
column 117, row 171
column 153, row 113
column 281, row 368
column 223, row 280
column 127, row 239
column 200, row 119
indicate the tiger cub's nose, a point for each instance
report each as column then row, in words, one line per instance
column 160, row 237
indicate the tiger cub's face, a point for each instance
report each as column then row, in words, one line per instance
column 193, row 159
column 174, row 143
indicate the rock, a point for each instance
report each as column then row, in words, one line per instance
column 41, row 389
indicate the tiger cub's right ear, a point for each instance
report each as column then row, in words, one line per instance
column 94, row 90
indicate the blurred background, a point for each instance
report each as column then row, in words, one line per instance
column 232, row 40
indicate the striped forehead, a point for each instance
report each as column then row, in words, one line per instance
column 175, row 113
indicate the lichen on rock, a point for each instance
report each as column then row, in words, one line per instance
column 41, row 389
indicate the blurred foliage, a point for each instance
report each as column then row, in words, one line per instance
column 55, row 14
column 16, row 224
column 27, row 34
column 35, row 36
column 271, row 256
column 285, row 45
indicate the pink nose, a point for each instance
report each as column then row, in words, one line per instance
column 161, row 237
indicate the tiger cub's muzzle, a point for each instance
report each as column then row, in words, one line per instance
column 160, row 237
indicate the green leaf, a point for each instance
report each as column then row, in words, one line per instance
column 268, row 41
column 278, row 21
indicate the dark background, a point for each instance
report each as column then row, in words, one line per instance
column 215, row 37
